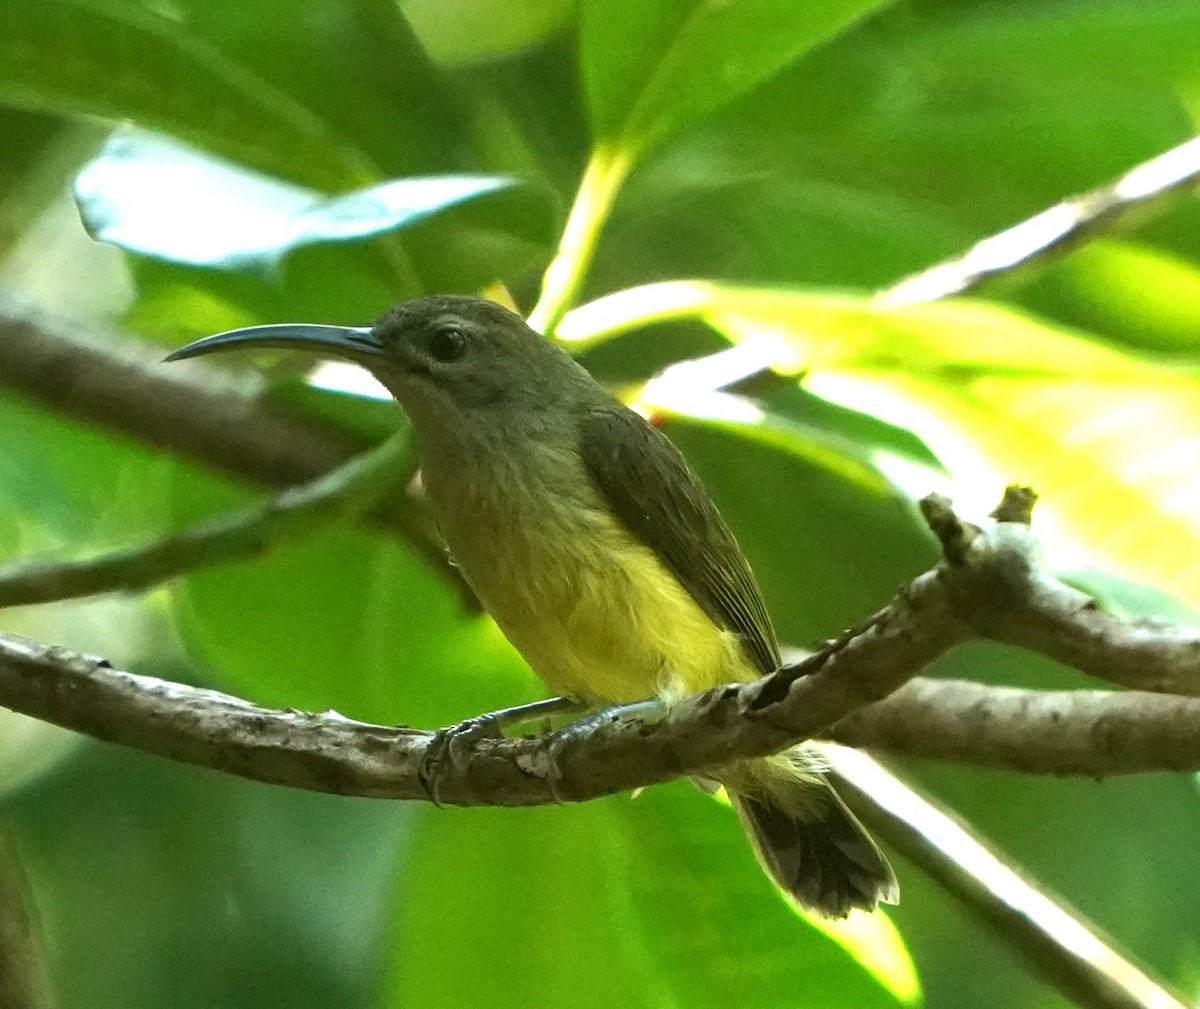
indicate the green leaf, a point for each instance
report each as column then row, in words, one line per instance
column 50, row 498
column 1141, row 296
column 469, row 30
column 949, row 339
column 199, row 874
column 1136, row 45
column 520, row 908
column 859, row 164
column 382, row 92
column 58, row 56
column 155, row 196
column 641, row 902
column 348, row 619
column 718, row 928
column 654, row 67
column 29, row 748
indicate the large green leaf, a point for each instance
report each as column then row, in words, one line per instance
column 383, row 92
column 469, row 30
column 1137, row 44
column 60, row 56
column 199, row 875
column 861, row 163
column 654, row 67
column 644, row 902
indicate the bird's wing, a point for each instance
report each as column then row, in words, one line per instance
column 651, row 487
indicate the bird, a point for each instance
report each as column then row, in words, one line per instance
column 598, row 552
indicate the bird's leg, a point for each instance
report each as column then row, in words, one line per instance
column 451, row 742
column 649, row 710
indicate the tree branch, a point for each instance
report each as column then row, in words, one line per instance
column 1089, row 733
column 1005, row 594
column 126, row 391
column 329, row 753
column 987, row 575
column 1094, row 733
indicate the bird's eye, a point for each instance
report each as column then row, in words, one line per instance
column 447, row 344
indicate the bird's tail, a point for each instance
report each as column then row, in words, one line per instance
column 808, row 842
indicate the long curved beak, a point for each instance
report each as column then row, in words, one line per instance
column 354, row 343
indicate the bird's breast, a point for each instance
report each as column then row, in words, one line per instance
column 593, row 611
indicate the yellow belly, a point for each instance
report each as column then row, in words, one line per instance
column 598, row 617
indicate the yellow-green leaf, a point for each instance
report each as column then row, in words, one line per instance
column 1109, row 439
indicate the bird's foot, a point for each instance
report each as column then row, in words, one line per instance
column 555, row 742
column 450, row 747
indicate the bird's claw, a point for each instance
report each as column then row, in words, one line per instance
column 552, row 746
column 555, row 742
column 449, row 746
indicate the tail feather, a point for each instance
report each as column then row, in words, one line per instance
column 808, row 842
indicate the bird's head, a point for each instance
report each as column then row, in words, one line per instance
column 441, row 357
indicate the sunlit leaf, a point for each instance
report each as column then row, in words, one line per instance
column 152, row 195
column 948, row 339
column 653, row 67
column 1142, row 296
column 875, row 942
column 718, row 928
column 1109, row 440
column 127, row 64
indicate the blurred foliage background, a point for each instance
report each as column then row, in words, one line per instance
column 320, row 160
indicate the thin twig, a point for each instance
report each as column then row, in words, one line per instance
column 1056, row 231
column 1010, row 597
column 346, row 491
